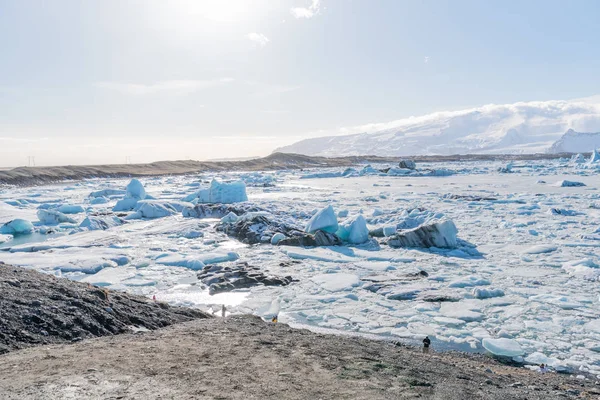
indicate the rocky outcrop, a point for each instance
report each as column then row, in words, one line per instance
column 221, row 278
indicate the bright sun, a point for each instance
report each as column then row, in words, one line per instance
column 218, row 10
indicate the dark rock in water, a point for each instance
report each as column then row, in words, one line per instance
column 407, row 164
column 214, row 210
column 385, row 170
column 320, row 238
column 220, row 278
column 252, row 230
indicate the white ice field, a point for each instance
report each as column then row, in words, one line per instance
column 524, row 280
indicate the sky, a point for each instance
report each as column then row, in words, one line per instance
column 110, row 81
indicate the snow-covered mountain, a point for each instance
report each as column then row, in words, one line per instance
column 576, row 142
column 531, row 127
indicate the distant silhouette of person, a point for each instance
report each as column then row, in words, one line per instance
column 543, row 368
column 426, row 344
column 274, row 319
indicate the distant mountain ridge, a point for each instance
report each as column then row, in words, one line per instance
column 520, row 128
column 576, row 142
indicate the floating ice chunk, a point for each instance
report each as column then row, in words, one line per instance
column 459, row 310
column 407, row 164
column 221, row 192
column 178, row 260
column 107, row 193
column 17, row 227
column 503, row 347
column 377, row 212
column 126, row 204
column 354, row 230
column 584, row 269
column 538, row 358
column 51, row 217
column 404, row 293
column 99, row 200
column 152, row 209
column 135, row 190
column 336, row 282
column 440, row 234
column 70, row 209
column 317, row 254
column 595, row 158
column 389, row 230
column 229, row 218
column 93, row 223
column 565, row 183
column 540, row 249
column 469, row 281
column 481, row 293
column 324, row 220
column 578, row 158
column 454, row 322
column 343, row 213
column 278, row 237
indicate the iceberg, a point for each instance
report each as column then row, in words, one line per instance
column 503, row 347
column 595, row 158
column 482, row 293
column 354, row 230
column 93, row 223
column 220, row 192
column 70, row 209
column 51, row 217
column 17, row 227
column 565, row 183
column 152, row 209
column 324, row 220
column 134, row 192
column 441, row 233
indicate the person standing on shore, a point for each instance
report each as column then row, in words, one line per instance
column 426, row 344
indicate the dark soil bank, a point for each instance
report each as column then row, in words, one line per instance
column 29, row 176
column 36, row 308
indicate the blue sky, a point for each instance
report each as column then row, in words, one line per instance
column 88, row 82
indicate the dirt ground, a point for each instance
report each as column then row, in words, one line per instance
column 242, row 357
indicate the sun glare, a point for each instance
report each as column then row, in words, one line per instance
column 217, row 10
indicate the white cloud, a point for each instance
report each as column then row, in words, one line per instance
column 163, row 87
column 426, row 59
column 311, row 11
column 258, row 38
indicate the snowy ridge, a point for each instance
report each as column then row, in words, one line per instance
column 530, row 127
column 576, row 142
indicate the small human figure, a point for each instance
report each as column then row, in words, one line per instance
column 543, row 368
column 426, row 344
column 274, row 319
column 223, row 310
column 154, row 298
